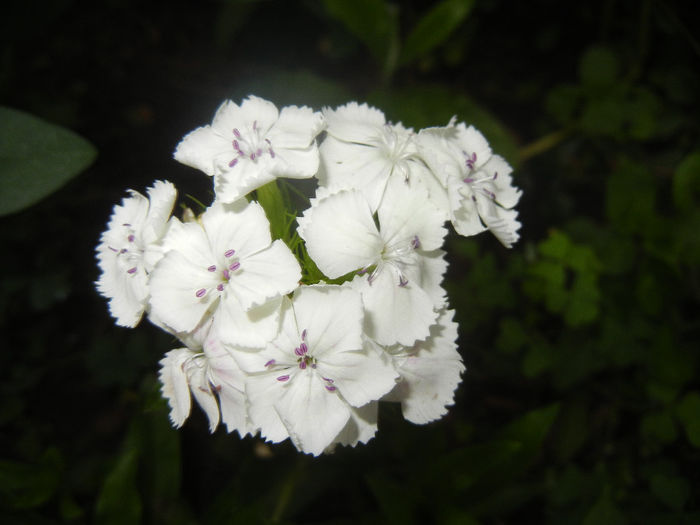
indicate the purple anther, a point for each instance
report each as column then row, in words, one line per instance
column 283, row 378
column 236, row 146
column 303, row 334
column 268, row 141
column 131, row 270
column 255, row 125
column 227, row 275
column 471, row 160
column 495, row 174
column 469, row 180
column 474, row 198
column 302, row 364
column 491, row 194
column 113, row 249
column 131, row 238
column 252, row 156
column 269, row 363
column 330, row 388
column 212, row 268
column 272, row 153
column 298, row 351
column 200, row 293
column 415, row 242
column 327, row 379
column 236, row 133
column 123, row 250
column 233, row 163
column 229, row 253
column 259, row 152
column 127, row 225
column 313, row 365
column 303, row 348
column 402, row 281
column 220, row 287
column 235, row 266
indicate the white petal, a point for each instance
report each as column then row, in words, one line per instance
column 312, row 415
column 252, row 328
column 161, row 198
column 430, row 374
column 353, row 122
column 360, row 376
column 174, row 385
column 269, row 273
column 175, row 283
column 406, row 212
column 360, row 428
column 233, row 183
column 332, row 318
column 201, row 391
column 340, row 234
column 238, row 226
column 393, row 313
column 296, row 128
column 296, row 163
column 200, row 148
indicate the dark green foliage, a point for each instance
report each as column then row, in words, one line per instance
column 581, row 400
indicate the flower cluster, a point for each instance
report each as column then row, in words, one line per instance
column 265, row 347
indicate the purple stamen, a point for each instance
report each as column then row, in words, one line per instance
column 313, row 365
column 415, row 242
column 237, row 133
column 302, row 364
column 303, row 334
column 283, row 378
column 327, row 379
column 227, row 275
column 303, row 348
column 235, row 266
column 298, row 351
column 495, row 175
column 259, row 152
column 229, row 253
column 269, row 363
column 212, row 268
column 233, row 163
column 131, row 270
column 330, row 388
column 131, row 238
column 252, row 156
column 200, row 293
column 127, row 225
column 402, row 281
column 491, row 194
column 469, row 180
column 272, row 153
column 123, row 250
column 220, row 287
column 113, row 249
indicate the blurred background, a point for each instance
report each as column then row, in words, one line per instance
column 581, row 400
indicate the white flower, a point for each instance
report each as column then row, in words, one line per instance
column 401, row 257
column 250, row 145
column 363, row 151
column 308, row 383
column 430, row 372
column 225, row 265
column 129, row 249
column 213, row 377
column 479, row 186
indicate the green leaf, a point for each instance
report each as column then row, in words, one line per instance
column 658, row 427
column 27, row 485
column 374, row 23
column 686, row 183
column 604, row 512
column 36, row 159
column 630, row 198
column 434, row 28
column 119, row 500
column 688, row 411
column 671, row 490
column 598, row 67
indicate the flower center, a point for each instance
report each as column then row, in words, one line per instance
column 130, row 255
column 230, row 265
column 303, row 361
column 250, row 144
column 395, row 148
column 397, row 256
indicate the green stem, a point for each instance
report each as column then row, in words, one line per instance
column 544, row 143
column 270, row 198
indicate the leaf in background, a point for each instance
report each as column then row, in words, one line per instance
column 434, row 28
column 119, row 501
column 25, row 485
column 36, row 159
column 434, row 105
column 686, row 183
column 374, row 23
column 688, row 411
column 598, row 67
